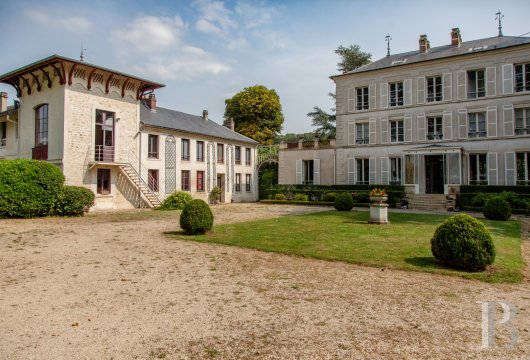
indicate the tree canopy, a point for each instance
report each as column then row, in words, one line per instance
column 324, row 122
column 352, row 57
column 257, row 113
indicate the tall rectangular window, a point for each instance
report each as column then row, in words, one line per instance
column 200, row 181
column 434, row 89
column 363, row 171
column 103, row 181
column 396, row 131
column 152, row 179
column 395, row 170
column 396, row 94
column 362, row 98
column 3, row 134
column 248, row 158
column 238, row 182
column 200, row 151
column 476, row 85
column 248, row 186
column 185, row 149
column 478, row 174
column 522, row 121
column 238, row 155
column 434, row 128
column 152, row 146
column 307, row 172
column 523, row 168
column 361, row 134
column 522, row 77
column 41, row 125
column 477, row 125
column 220, row 153
column 185, row 180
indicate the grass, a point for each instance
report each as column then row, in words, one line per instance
column 346, row 236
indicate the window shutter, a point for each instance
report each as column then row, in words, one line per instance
column 507, row 79
column 351, row 171
column 407, row 124
column 461, row 85
column 384, row 130
column 372, row 131
column 316, row 171
column 420, row 85
column 407, row 87
column 447, row 123
column 491, row 82
column 509, row 164
column 447, row 82
column 373, row 170
column 492, row 168
column 351, row 99
column 462, row 123
column 385, row 170
column 372, row 94
column 491, row 115
column 351, row 133
column 298, row 171
column 422, row 127
column 384, row 95
column 508, row 120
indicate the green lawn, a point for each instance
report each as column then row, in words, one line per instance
column 346, row 236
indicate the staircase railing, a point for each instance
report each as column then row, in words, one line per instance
column 153, row 184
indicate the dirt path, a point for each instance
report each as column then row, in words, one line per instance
column 113, row 286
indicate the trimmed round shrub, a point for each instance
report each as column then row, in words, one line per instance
column 196, row 217
column 301, row 197
column 176, row 201
column 280, row 197
column 74, row 201
column 497, row 208
column 463, row 242
column 330, row 196
column 343, row 202
column 29, row 188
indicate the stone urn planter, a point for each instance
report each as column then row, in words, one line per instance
column 378, row 209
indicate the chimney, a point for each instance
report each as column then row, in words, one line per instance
column 229, row 123
column 456, row 38
column 3, row 101
column 205, row 115
column 150, row 101
column 424, row 44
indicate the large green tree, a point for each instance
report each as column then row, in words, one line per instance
column 324, row 122
column 352, row 58
column 257, row 113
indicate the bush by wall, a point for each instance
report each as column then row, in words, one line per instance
column 476, row 196
column 463, row 242
column 175, row 201
column 279, row 197
column 344, row 202
column 196, row 217
column 497, row 208
column 29, row 188
column 74, row 201
column 301, row 197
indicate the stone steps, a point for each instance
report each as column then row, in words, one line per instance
column 428, row 202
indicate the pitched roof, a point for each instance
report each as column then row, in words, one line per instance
column 176, row 120
column 440, row 52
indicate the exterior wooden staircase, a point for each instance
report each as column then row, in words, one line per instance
column 149, row 196
column 428, row 202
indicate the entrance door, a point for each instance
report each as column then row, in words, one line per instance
column 221, row 184
column 104, row 142
column 434, row 174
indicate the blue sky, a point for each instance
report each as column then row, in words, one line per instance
column 205, row 51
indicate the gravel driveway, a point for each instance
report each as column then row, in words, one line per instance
column 113, row 286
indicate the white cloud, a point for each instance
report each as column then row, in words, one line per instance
column 255, row 14
column 76, row 24
column 214, row 18
column 182, row 67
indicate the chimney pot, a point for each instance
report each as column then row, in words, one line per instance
column 456, row 37
column 229, row 123
column 150, row 101
column 205, row 115
column 424, row 44
column 3, row 101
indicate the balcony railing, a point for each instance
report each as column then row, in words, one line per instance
column 40, row 152
column 473, row 134
column 104, row 153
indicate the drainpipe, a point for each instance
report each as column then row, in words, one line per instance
column 335, row 167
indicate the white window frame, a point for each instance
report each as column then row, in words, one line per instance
column 474, row 84
column 526, row 181
column 394, row 98
column 364, row 94
column 525, row 81
column 365, row 140
column 364, row 174
column 473, row 119
column 437, row 83
column 474, row 162
column 525, row 129
column 437, row 122
column 395, row 135
column 396, row 161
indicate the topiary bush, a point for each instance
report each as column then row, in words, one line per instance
column 280, row 197
column 497, row 208
column 74, row 201
column 176, row 201
column 29, row 188
column 215, row 194
column 343, row 202
column 301, row 197
column 463, row 242
column 196, row 217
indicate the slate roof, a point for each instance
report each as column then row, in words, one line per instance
column 440, row 52
column 176, row 120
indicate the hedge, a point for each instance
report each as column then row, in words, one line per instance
column 74, row 201
column 469, row 192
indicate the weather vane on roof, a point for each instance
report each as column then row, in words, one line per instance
column 387, row 39
column 82, row 57
column 499, row 18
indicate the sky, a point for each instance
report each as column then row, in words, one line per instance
column 205, row 51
